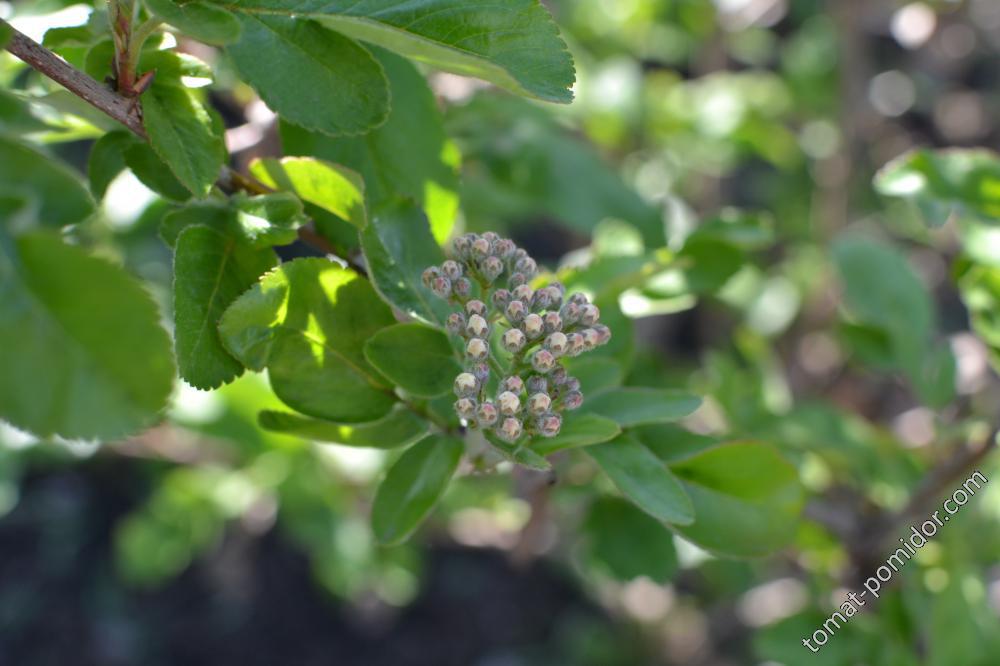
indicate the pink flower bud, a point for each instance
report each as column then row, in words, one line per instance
column 475, row 307
column 523, row 293
column 465, row 408
column 603, row 334
column 543, row 361
column 510, row 429
column 501, row 297
column 462, row 245
column 514, row 340
column 539, row 403
column 492, row 267
column 570, row 313
column 590, row 338
column 571, row 384
column 441, row 286
column 527, row 266
column 578, row 299
column 515, row 312
column 589, row 314
column 572, row 400
column 462, row 287
column 548, row 425
column 557, row 343
column 480, row 248
column 558, row 376
column 576, row 344
column 533, row 326
column 477, row 326
column 537, row 384
column 486, row 414
column 516, row 280
column 477, row 349
column 509, row 403
column 451, row 269
column 481, row 371
column 514, row 384
column 456, row 323
column 504, row 248
column 466, row 385
column 553, row 322
column 429, row 274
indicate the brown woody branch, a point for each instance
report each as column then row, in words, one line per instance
column 123, row 109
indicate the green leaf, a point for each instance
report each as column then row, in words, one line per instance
column 211, row 270
column 268, row 219
column 942, row 182
column 107, row 160
column 883, row 291
column 413, row 486
column 513, row 43
column 596, row 373
column 578, row 430
column 184, row 134
column 746, row 497
column 398, row 247
column 636, row 406
column 332, row 187
column 154, row 173
column 199, row 20
column 416, row 357
column 670, row 442
column 627, row 543
column 6, row 32
column 312, row 76
column 410, row 155
column 307, row 322
column 81, row 347
column 17, row 116
column 62, row 196
column 262, row 221
column 398, row 428
column 644, row 480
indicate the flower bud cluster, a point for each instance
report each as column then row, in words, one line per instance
column 537, row 328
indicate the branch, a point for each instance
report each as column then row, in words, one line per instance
column 128, row 112
column 123, row 109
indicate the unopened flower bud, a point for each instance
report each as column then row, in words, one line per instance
column 541, row 300
column 533, row 326
column 515, row 312
column 571, row 384
column 487, row 414
column 557, row 343
column 461, row 246
column 589, row 314
column 539, row 403
column 555, row 296
column 504, row 248
column 514, row 384
column 480, row 248
column 520, row 253
column 558, row 375
column 455, row 323
column 491, row 237
column 516, row 280
column 603, row 334
column 509, row 403
column 429, row 274
column 537, row 384
column 523, row 293
column 578, row 298
column 466, row 385
column 477, row 326
column 553, row 322
column 501, row 297
column 526, row 266
column 451, row 269
column 548, row 425
column 462, row 287
column 475, row 307
column 572, row 400
column 491, row 267
column 481, row 371
column 477, row 349
column 465, row 408
column 510, row 429
column 590, row 338
column 576, row 344
column 543, row 361
column 514, row 340
column 570, row 313
column 441, row 286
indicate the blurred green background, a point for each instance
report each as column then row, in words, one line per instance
column 210, row 541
